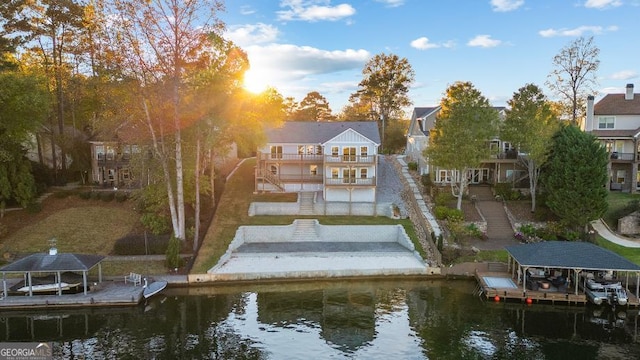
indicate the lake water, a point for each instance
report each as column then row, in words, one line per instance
column 400, row 319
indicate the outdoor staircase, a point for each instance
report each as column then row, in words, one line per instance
column 270, row 178
column 305, row 230
column 498, row 225
column 306, row 202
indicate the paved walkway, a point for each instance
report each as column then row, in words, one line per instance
column 603, row 230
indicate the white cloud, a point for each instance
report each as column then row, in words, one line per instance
column 251, row 34
column 246, row 10
column 423, row 43
column 625, row 75
column 579, row 31
column 392, row 3
column 484, row 41
column 313, row 10
column 506, row 5
column 602, row 4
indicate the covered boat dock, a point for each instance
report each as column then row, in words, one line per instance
column 60, row 265
column 551, row 271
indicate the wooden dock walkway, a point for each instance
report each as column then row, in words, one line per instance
column 519, row 293
column 107, row 293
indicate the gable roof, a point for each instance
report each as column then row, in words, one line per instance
column 307, row 132
column 420, row 112
column 569, row 255
column 615, row 104
column 44, row 262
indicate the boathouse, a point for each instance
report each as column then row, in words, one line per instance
column 543, row 262
column 53, row 263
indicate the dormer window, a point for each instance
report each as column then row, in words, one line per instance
column 606, row 122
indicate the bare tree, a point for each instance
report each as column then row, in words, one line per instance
column 574, row 76
column 166, row 41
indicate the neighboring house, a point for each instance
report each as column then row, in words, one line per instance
column 337, row 158
column 615, row 121
column 501, row 167
column 110, row 163
column 423, row 120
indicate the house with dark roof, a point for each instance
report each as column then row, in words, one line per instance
column 338, row 159
column 501, row 167
column 615, row 121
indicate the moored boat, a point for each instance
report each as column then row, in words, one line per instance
column 606, row 291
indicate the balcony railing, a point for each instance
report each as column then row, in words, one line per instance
column 622, row 156
column 350, row 181
column 356, row 159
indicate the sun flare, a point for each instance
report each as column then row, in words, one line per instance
column 255, row 81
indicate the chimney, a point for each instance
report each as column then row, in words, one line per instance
column 589, row 122
column 53, row 251
column 629, row 94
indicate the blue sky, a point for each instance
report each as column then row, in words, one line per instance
column 299, row 46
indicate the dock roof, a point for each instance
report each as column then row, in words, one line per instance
column 44, row 262
column 569, row 255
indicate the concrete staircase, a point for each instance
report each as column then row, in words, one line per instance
column 498, row 225
column 305, row 230
column 306, row 203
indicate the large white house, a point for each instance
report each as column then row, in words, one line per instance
column 501, row 167
column 615, row 121
column 338, row 159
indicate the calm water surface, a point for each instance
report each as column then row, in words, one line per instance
column 331, row 320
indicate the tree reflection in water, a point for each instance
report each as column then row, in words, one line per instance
column 399, row 319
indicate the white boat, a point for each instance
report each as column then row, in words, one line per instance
column 153, row 288
column 47, row 287
column 610, row 292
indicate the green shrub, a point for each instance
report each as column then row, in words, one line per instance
column 447, row 213
column 62, row 194
column 135, row 245
column 107, row 196
column 155, row 223
column 34, row 207
column 527, row 229
column 413, row 166
column 121, row 196
column 85, row 195
column 173, row 253
column 440, row 212
column 425, row 179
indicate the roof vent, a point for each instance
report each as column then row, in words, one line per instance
column 53, row 251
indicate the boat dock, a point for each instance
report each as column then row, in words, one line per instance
column 500, row 286
column 113, row 293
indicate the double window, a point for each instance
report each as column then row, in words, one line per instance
column 276, row 152
column 606, row 122
column 349, row 153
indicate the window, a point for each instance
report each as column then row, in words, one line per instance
column 310, row 149
column 110, row 153
column 334, row 151
column 334, row 173
column 443, row 176
column 313, row 169
column 348, row 176
column 318, row 150
column 364, row 151
column 125, row 174
column 363, row 173
column 349, row 153
column 620, row 176
column 126, row 152
column 300, row 149
column 606, row 122
column 274, row 169
column 100, row 152
column 276, row 152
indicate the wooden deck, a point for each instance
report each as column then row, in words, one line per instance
column 108, row 293
column 549, row 296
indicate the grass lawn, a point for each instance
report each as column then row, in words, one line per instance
column 73, row 235
column 233, row 212
column 632, row 254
